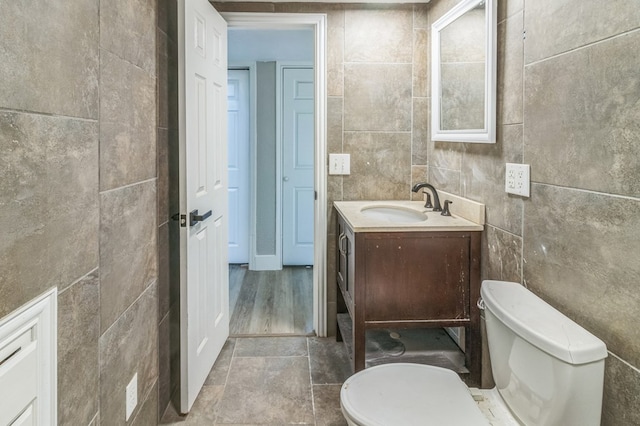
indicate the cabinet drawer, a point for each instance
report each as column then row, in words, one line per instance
column 18, row 377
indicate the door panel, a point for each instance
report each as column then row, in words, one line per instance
column 204, row 318
column 238, row 147
column 297, row 166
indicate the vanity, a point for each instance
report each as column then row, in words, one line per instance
column 402, row 267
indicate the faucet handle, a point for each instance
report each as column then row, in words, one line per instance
column 428, row 204
column 445, row 210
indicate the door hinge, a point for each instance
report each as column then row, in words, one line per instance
column 315, row 195
column 182, row 218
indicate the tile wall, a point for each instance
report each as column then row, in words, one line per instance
column 78, row 193
column 85, row 167
column 569, row 105
column 568, row 102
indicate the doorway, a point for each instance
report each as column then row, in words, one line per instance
column 284, row 299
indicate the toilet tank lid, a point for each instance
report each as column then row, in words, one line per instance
column 540, row 324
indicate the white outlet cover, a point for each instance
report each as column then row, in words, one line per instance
column 131, row 396
column 517, row 179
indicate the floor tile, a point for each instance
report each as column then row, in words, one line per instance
column 203, row 411
column 218, row 374
column 329, row 361
column 267, row 390
column 271, row 346
column 326, row 400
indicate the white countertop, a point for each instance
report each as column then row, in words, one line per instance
column 352, row 213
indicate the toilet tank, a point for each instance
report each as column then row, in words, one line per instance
column 548, row 369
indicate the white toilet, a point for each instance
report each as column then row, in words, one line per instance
column 548, row 371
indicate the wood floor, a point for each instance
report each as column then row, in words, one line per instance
column 271, row 302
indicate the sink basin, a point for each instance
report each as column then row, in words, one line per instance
column 393, row 214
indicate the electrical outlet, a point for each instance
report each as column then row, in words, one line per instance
column 339, row 164
column 131, row 396
column 517, row 179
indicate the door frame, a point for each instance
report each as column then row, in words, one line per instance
column 318, row 23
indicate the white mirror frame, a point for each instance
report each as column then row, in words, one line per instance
column 488, row 134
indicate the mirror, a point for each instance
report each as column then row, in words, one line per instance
column 463, row 97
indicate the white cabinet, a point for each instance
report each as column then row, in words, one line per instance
column 28, row 364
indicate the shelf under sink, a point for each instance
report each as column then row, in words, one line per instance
column 431, row 346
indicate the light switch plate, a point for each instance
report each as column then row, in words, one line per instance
column 517, row 179
column 339, row 164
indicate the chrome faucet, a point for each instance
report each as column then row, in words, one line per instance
column 436, row 200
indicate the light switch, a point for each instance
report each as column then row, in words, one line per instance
column 339, row 164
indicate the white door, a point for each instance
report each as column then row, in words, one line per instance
column 238, row 147
column 297, row 166
column 204, row 297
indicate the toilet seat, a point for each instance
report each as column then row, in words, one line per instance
column 409, row 394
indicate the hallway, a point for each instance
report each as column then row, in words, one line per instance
column 272, row 381
column 271, row 302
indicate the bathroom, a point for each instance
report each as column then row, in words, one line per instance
column 88, row 121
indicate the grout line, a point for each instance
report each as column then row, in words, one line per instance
column 627, row 364
column 129, row 185
column 73, row 283
column 588, row 191
column 584, row 46
column 313, row 402
column 48, row 114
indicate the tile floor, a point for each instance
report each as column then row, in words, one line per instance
column 272, row 381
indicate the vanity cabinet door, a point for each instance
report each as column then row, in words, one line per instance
column 345, row 262
column 414, row 276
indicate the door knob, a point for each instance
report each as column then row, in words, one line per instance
column 194, row 217
column 286, row 178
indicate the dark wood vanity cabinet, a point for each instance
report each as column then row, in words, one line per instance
column 410, row 279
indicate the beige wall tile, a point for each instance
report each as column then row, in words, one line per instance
column 502, row 255
column 420, row 135
column 445, row 180
column 335, row 53
column 128, row 29
column 621, row 402
column 510, row 76
column 128, row 250
column 130, row 346
column 421, row 63
column 377, row 97
column 164, row 365
column 577, row 256
column 419, row 174
column 378, row 35
column 49, row 57
column 583, row 132
column 127, row 123
column 168, row 18
column 148, row 414
column 380, row 166
column 78, row 333
column 508, row 8
column 421, row 16
column 334, row 124
column 49, row 199
column 483, row 175
column 558, row 26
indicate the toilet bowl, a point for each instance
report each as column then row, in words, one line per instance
column 548, row 371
